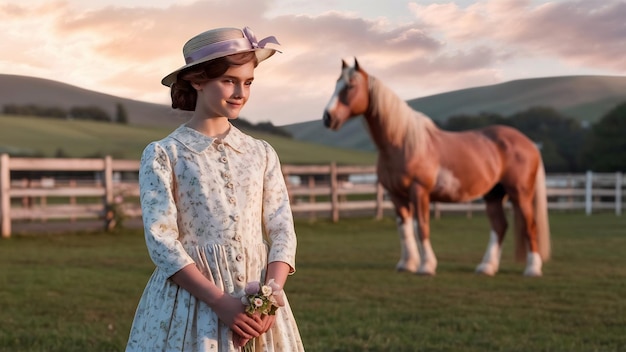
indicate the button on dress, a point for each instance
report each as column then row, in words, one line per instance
column 222, row 205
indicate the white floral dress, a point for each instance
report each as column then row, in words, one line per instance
column 223, row 205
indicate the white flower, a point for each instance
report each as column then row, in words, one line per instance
column 266, row 290
column 258, row 302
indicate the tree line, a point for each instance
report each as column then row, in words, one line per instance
column 96, row 113
column 90, row 112
column 566, row 145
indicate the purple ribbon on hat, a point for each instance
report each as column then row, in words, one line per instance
column 232, row 46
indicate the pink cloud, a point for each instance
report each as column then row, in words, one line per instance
column 335, row 31
column 591, row 33
column 16, row 11
column 127, row 49
column 138, row 34
column 586, row 32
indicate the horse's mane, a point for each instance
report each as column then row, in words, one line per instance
column 401, row 125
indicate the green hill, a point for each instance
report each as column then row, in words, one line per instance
column 23, row 135
column 31, row 136
column 586, row 98
column 23, row 90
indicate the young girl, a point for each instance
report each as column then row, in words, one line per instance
column 215, row 210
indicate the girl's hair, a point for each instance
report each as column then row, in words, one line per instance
column 184, row 95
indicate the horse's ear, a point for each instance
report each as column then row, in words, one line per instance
column 356, row 65
column 344, row 64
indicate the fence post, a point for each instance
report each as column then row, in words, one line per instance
column 380, row 198
column 108, row 216
column 72, row 184
column 5, row 197
column 108, row 180
column 311, row 184
column 334, row 196
column 588, row 191
column 618, row 193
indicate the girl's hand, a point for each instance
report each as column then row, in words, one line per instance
column 230, row 310
column 239, row 341
column 267, row 321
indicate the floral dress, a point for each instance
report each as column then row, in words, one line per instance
column 222, row 205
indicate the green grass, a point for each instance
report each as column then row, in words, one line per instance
column 22, row 135
column 78, row 291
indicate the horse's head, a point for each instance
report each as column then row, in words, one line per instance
column 351, row 97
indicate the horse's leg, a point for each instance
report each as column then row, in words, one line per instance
column 497, row 219
column 525, row 223
column 409, row 259
column 421, row 201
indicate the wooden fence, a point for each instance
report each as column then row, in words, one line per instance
column 38, row 189
column 334, row 189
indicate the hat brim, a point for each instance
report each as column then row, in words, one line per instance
column 261, row 54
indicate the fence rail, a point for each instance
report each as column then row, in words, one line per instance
column 38, row 189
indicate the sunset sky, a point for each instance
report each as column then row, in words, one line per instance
column 417, row 48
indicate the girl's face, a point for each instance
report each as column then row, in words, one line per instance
column 226, row 95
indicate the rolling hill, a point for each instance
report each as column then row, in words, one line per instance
column 586, row 98
column 33, row 136
column 22, row 90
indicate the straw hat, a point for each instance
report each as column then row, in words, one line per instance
column 220, row 42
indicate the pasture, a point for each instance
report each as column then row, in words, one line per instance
column 22, row 135
column 78, row 291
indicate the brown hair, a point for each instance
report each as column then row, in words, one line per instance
column 184, row 95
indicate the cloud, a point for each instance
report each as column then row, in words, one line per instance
column 582, row 32
column 585, row 32
column 143, row 33
column 335, row 32
column 24, row 34
column 126, row 50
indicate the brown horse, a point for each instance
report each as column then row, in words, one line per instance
column 419, row 163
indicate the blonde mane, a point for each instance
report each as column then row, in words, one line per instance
column 403, row 126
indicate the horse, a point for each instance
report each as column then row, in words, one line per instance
column 419, row 163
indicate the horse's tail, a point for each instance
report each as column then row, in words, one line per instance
column 541, row 214
column 541, row 221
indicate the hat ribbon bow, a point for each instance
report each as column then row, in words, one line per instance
column 247, row 32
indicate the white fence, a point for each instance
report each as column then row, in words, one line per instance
column 45, row 189
column 334, row 189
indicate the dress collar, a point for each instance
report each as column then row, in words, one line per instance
column 198, row 142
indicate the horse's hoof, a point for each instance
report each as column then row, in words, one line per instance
column 424, row 272
column 533, row 265
column 486, row 269
column 406, row 268
column 532, row 273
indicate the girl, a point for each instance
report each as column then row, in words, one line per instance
column 216, row 211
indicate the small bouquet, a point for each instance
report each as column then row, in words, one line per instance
column 261, row 299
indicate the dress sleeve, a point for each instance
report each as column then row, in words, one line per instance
column 278, row 224
column 159, row 211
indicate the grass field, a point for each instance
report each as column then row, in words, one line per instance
column 21, row 135
column 78, row 291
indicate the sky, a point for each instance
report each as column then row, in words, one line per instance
column 417, row 48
